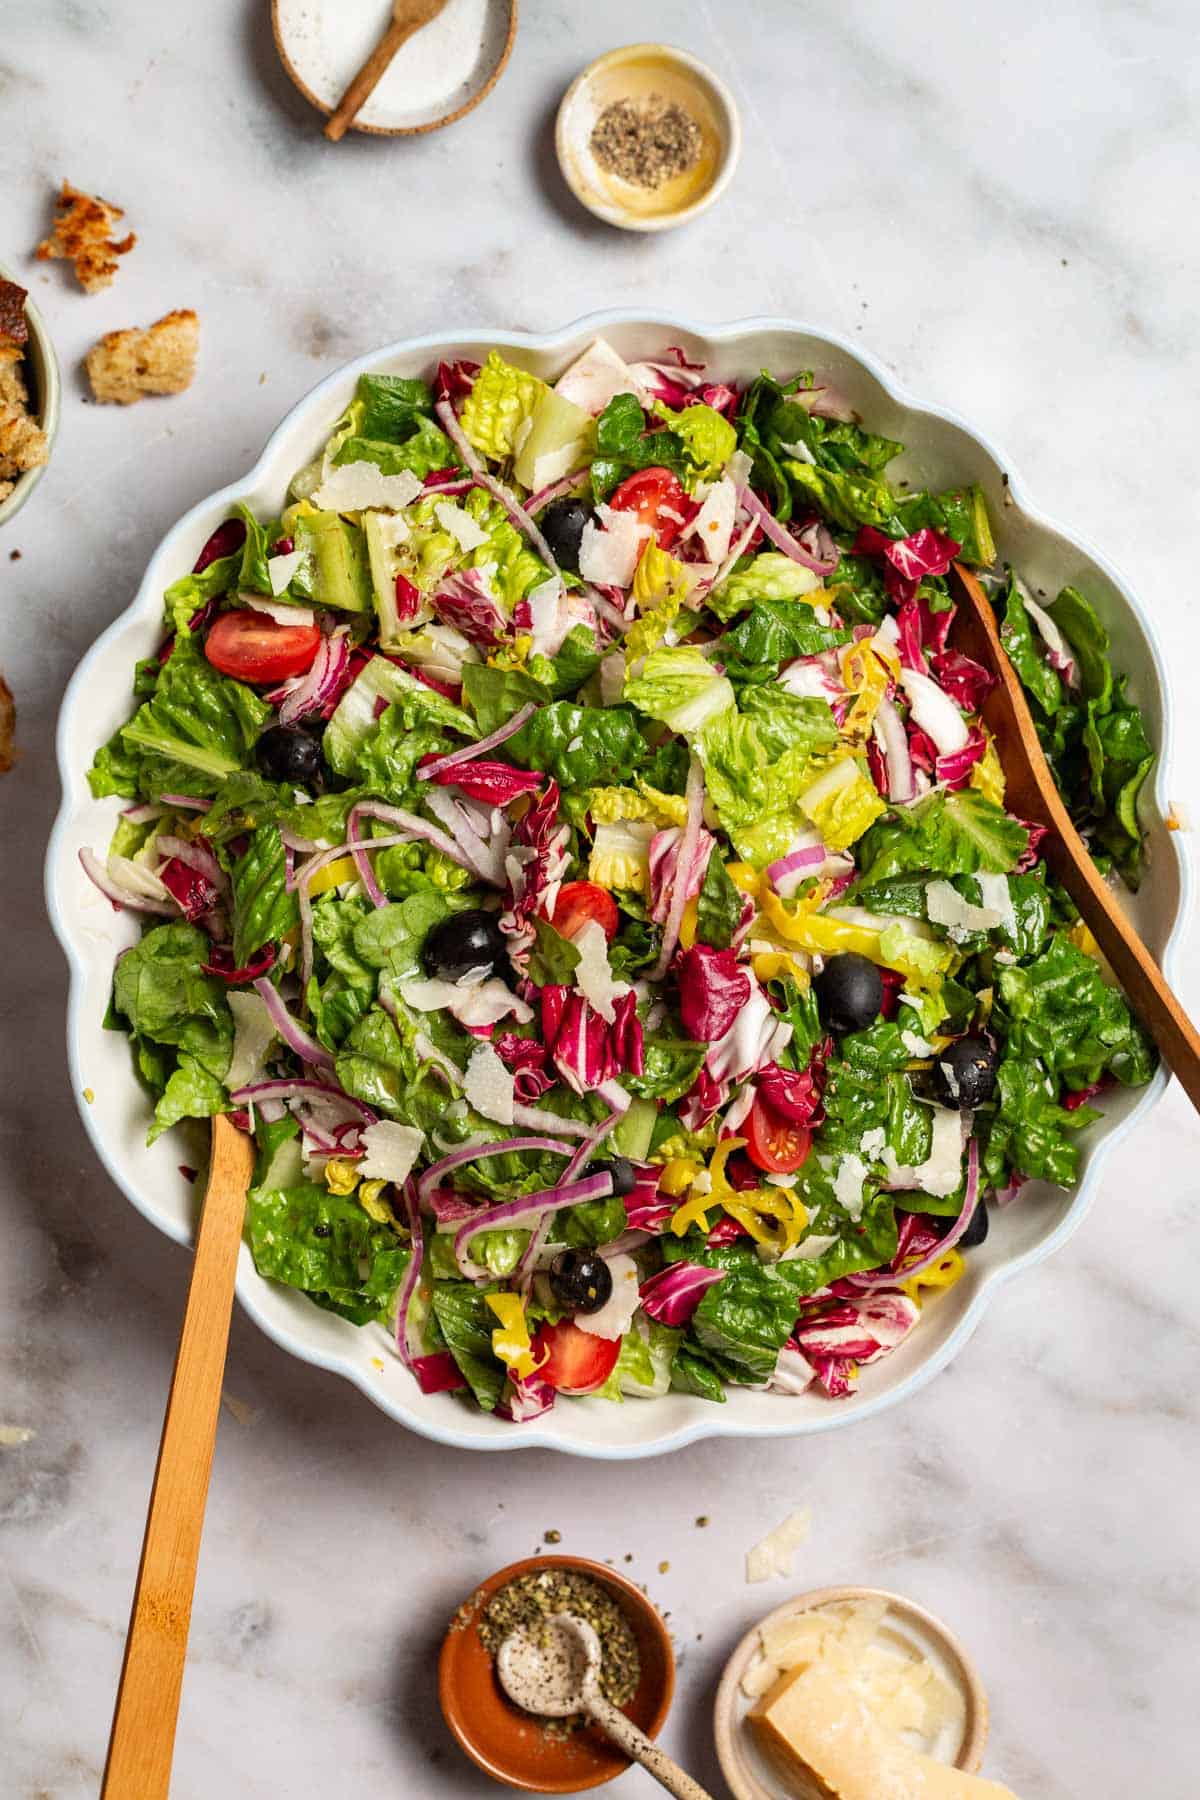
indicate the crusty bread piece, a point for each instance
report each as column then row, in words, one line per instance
column 14, row 326
column 125, row 365
column 22, row 440
column 82, row 234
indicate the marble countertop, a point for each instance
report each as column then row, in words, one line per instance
column 999, row 201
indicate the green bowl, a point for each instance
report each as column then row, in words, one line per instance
column 41, row 371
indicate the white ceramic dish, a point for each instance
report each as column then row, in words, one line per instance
column 942, row 451
column 451, row 64
column 637, row 72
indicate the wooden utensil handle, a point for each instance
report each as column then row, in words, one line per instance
column 369, row 76
column 143, row 1731
column 634, row 1742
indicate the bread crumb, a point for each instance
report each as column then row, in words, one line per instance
column 82, row 234
column 22, row 441
column 125, row 365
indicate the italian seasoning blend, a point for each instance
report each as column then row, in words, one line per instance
column 531, row 1599
column 646, row 142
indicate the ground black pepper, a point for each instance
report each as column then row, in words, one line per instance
column 645, row 142
column 530, row 1599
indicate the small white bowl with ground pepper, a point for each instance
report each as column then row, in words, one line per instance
column 647, row 137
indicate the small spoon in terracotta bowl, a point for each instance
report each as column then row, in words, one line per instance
column 555, row 1672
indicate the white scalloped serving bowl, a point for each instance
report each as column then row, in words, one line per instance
column 942, row 452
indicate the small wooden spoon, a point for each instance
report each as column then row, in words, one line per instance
column 1032, row 794
column 143, row 1728
column 408, row 16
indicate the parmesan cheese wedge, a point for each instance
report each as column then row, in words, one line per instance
column 819, row 1731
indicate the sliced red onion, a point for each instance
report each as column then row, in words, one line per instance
column 412, row 1274
column 806, row 554
column 362, row 861
column 316, row 693
column 524, row 1211
column 893, row 1277
column 1006, row 1195
column 537, row 1118
column 303, row 1087
column 431, row 1177
column 96, row 872
column 431, row 770
column 563, row 485
column 442, row 488
column 800, row 863
column 484, row 860
column 817, row 550
column 186, row 802
column 508, row 500
column 416, row 827
column 896, row 754
column 290, row 1030
column 687, row 850
column 824, row 403
column 142, row 815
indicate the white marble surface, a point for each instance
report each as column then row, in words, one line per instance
column 1001, row 202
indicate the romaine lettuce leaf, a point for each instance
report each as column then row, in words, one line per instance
column 195, row 716
column 774, row 632
column 354, row 725
column 326, row 1244
column 944, row 834
column 768, row 576
column 501, row 400
column 263, row 909
column 681, row 689
column 708, row 439
column 1061, row 1010
column 466, row 1323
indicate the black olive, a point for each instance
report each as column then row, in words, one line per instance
column 580, row 1279
column 286, row 753
column 562, row 525
column 849, row 992
column 468, row 940
column 975, row 1233
column 964, row 1073
column 624, row 1178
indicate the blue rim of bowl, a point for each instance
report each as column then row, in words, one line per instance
column 41, row 354
column 536, row 1438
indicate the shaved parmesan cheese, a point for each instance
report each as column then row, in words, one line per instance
column 773, row 1556
column 593, row 977
column 280, row 611
column 596, row 377
column 916, row 1046
column 467, row 533
column 873, row 1141
column 352, row 487
column 799, row 450
column 941, row 1173
column 713, row 524
column 483, row 1003
column 391, row 529
column 489, row 1085
column 995, row 894
column 608, row 552
column 739, row 468
column 810, row 1247
column 946, row 906
column 848, row 1184
column 391, row 1151
column 253, row 1034
column 280, row 569
column 616, row 1315
column 552, row 465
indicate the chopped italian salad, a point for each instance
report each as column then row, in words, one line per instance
column 567, row 838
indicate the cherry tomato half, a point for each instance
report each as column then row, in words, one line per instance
column 250, row 646
column 576, row 1362
column 580, row 901
column 773, row 1143
column 658, row 499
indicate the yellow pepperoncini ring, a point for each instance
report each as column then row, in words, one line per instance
column 678, row 1175
column 772, row 965
column 816, row 931
column 941, row 1274
column 1081, row 936
column 332, row 875
column 775, row 1217
column 510, row 1339
column 370, row 1198
column 687, row 924
column 988, row 773
column 867, row 668
column 746, row 879
column 340, row 1176
column 513, row 655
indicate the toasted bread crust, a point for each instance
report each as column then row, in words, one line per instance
column 14, row 327
column 22, row 440
column 127, row 365
column 82, row 234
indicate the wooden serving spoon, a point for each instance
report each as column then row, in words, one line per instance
column 1032, row 793
column 143, row 1728
column 408, row 16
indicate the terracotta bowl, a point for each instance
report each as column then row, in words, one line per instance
column 749, row 1773
column 505, row 1742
